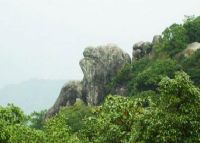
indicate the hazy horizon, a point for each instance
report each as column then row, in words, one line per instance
column 44, row 39
column 31, row 95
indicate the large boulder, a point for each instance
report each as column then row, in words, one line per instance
column 68, row 95
column 191, row 48
column 99, row 66
column 142, row 49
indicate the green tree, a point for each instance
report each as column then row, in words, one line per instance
column 37, row 119
column 14, row 128
column 176, row 117
column 192, row 26
column 75, row 115
column 149, row 78
column 12, row 115
column 113, row 121
column 9, row 116
column 56, row 130
column 24, row 134
column 174, row 40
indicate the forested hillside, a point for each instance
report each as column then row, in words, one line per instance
column 161, row 102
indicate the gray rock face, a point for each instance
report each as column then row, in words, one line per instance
column 68, row 95
column 156, row 39
column 99, row 66
column 191, row 48
column 142, row 49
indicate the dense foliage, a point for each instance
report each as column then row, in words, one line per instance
column 176, row 37
column 36, row 119
column 162, row 103
column 16, row 127
column 143, row 75
column 172, row 115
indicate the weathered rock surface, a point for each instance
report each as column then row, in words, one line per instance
column 142, row 49
column 68, row 95
column 99, row 66
column 191, row 48
column 156, row 39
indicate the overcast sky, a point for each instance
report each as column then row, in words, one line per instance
column 44, row 39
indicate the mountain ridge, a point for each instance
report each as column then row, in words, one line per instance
column 23, row 94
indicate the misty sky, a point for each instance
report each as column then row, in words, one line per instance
column 44, row 39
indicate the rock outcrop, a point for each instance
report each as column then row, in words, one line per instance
column 68, row 95
column 99, row 66
column 142, row 49
column 191, row 48
column 156, row 40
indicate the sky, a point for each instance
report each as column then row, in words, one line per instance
column 45, row 39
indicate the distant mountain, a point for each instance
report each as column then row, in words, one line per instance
column 32, row 95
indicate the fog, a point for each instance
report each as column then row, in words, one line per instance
column 44, row 39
